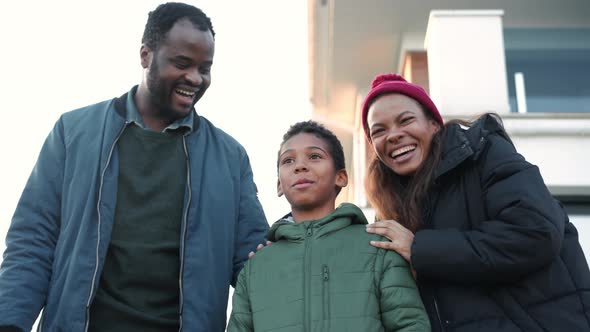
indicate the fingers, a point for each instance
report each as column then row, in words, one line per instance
column 401, row 247
column 390, row 224
column 387, row 232
column 389, row 229
column 383, row 244
column 401, row 238
column 379, row 230
column 258, row 248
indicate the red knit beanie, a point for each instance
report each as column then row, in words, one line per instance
column 394, row 83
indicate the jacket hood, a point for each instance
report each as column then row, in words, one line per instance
column 344, row 215
column 462, row 143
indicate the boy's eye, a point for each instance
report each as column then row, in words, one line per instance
column 287, row 161
column 315, row 156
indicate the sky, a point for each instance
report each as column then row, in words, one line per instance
column 61, row 55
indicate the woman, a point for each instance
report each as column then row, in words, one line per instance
column 490, row 248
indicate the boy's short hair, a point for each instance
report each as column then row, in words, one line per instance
column 321, row 132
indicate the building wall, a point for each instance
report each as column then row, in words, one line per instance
column 550, row 46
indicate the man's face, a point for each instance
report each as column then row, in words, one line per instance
column 179, row 72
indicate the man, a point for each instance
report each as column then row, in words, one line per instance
column 139, row 213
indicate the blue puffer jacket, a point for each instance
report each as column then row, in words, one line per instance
column 60, row 232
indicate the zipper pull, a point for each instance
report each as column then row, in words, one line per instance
column 309, row 231
column 326, row 275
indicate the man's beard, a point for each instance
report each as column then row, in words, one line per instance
column 158, row 94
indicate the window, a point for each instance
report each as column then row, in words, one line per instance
column 555, row 67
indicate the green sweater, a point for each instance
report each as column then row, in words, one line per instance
column 323, row 275
column 139, row 285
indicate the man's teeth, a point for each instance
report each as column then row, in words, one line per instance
column 185, row 92
column 403, row 150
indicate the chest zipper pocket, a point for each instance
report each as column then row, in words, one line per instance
column 326, row 297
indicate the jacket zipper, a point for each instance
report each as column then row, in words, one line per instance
column 442, row 328
column 326, row 296
column 99, row 222
column 40, row 326
column 307, row 280
column 430, row 206
column 185, row 222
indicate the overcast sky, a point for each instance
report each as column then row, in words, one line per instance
column 61, row 55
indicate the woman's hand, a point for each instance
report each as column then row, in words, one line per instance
column 401, row 238
column 258, row 248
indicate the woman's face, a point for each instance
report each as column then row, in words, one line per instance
column 400, row 132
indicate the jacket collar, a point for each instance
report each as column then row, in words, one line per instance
column 461, row 144
column 345, row 215
column 122, row 109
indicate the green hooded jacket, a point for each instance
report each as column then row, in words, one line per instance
column 323, row 275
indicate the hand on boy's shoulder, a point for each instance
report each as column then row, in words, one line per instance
column 258, row 248
column 400, row 238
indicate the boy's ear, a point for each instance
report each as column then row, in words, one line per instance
column 279, row 188
column 342, row 178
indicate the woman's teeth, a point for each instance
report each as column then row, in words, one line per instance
column 400, row 151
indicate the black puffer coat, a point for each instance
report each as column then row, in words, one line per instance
column 497, row 252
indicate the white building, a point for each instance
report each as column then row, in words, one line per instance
column 527, row 60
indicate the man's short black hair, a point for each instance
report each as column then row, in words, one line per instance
column 163, row 18
column 321, row 132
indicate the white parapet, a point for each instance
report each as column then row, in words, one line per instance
column 466, row 61
column 558, row 143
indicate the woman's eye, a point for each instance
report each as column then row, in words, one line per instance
column 287, row 161
column 407, row 119
column 376, row 132
column 315, row 156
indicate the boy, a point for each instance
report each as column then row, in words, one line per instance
column 321, row 274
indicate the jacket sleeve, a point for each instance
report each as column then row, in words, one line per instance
column 241, row 314
column 524, row 232
column 31, row 239
column 401, row 306
column 252, row 224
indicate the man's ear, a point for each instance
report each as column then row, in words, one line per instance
column 342, row 178
column 145, row 54
column 279, row 188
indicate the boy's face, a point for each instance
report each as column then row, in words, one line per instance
column 307, row 176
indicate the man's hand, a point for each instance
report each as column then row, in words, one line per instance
column 258, row 248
